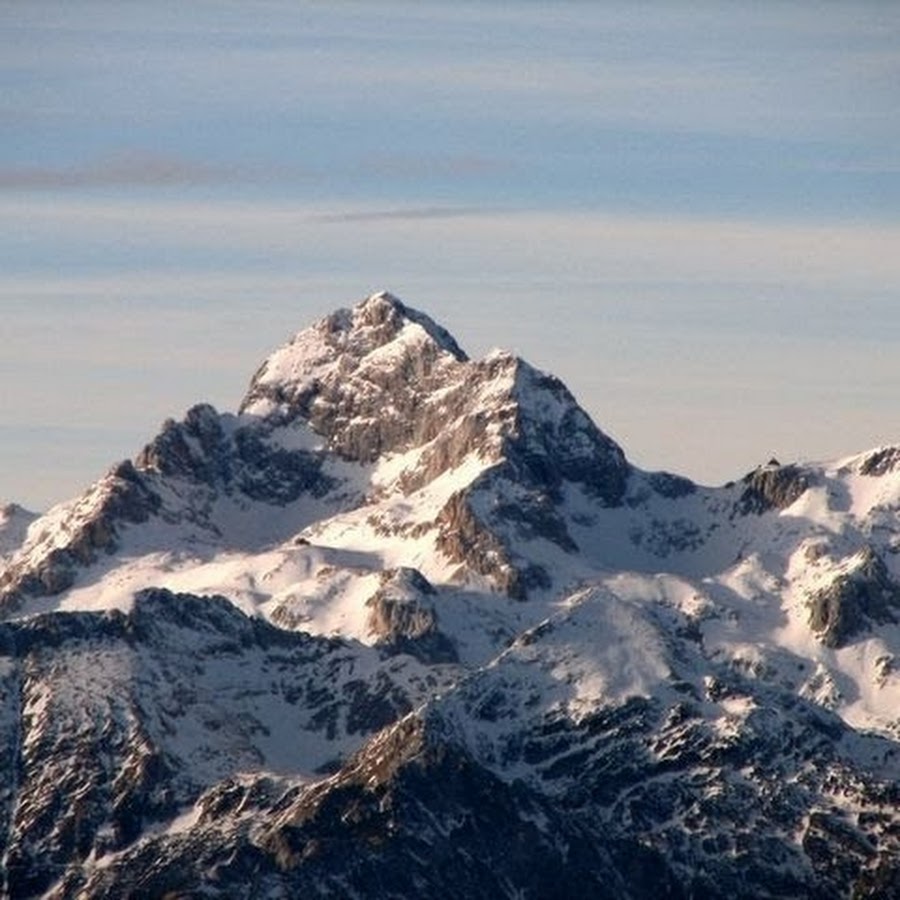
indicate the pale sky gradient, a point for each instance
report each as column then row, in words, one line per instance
column 690, row 212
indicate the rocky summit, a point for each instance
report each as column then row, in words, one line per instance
column 410, row 624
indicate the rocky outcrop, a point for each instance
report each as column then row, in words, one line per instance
column 464, row 539
column 242, row 458
column 48, row 562
column 425, row 817
column 14, row 522
column 403, row 618
column 196, row 448
column 411, row 815
column 771, row 487
column 880, row 462
column 670, row 486
column 552, row 440
column 383, row 378
column 856, row 599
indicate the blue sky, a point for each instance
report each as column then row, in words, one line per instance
column 688, row 211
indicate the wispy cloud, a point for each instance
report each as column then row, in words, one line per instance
column 434, row 165
column 123, row 170
column 401, row 214
column 140, row 169
column 862, row 166
column 450, row 242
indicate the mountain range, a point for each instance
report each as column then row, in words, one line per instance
column 410, row 624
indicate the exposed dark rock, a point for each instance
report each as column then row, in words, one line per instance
column 836, row 848
column 554, row 440
column 123, row 496
column 771, row 487
column 531, row 513
column 242, row 459
column 639, row 803
column 373, row 704
column 404, row 619
column 880, row 462
column 274, row 475
column 394, row 798
column 848, row 606
column 195, row 448
column 409, row 816
column 463, row 538
column 671, row 486
column 14, row 522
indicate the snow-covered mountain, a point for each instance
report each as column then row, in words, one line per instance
column 410, row 624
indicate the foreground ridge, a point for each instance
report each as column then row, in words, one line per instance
column 408, row 622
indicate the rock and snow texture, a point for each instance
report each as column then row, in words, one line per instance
column 14, row 522
column 408, row 623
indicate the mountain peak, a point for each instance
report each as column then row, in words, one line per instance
column 376, row 336
column 389, row 317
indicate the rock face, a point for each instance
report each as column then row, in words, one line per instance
column 50, row 560
column 408, row 816
column 772, row 487
column 337, row 375
column 14, row 523
column 863, row 595
column 213, row 451
column 409, row 624
column 880, row 462
column 404, row 620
